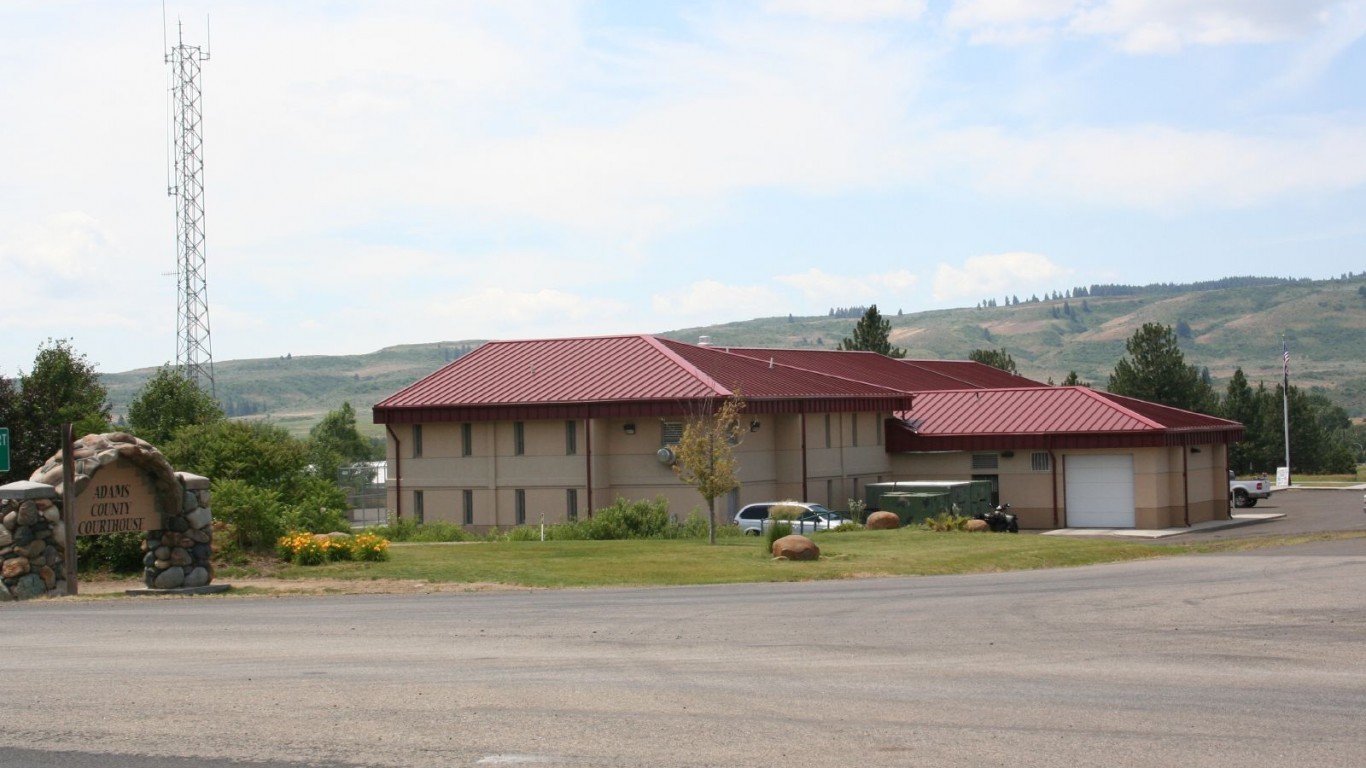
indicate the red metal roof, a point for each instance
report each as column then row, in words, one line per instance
column 979, row 419
column 906, row 375
column 973, row 374
column 634, row 375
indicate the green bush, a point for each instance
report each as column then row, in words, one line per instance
column 628, row 520
column 113, row 552
column 406, row 530
column 256, row 514
column 775, row 530
column 946, row 521
column 320, row 507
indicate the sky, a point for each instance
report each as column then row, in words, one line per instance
column 382, row 173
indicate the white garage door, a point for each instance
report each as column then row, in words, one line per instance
column 1100, row 491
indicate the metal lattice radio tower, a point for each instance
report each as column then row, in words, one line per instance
column 194, row 352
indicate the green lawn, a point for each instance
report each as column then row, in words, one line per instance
column 844, row 555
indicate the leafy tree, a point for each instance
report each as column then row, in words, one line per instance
column 1156, row 370
column 996, row 358
column 706, row 455
column 62, row 388
column 335, row 443
column 168, row 401
column 261, row 482
column 872, row 334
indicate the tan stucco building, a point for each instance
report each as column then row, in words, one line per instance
column 519, row 432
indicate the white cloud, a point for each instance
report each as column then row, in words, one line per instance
column 849, row 10
column 710, row 301
column 494, row 312
column 817, row 284
column 996, row 274
column 1164, row 169
column 1144, row 26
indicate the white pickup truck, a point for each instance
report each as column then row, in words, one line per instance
column 1246, row 493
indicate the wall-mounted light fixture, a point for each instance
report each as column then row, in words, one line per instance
column 629, row 429
column 1194, row 449
column 1007, row 454
column 754, row 426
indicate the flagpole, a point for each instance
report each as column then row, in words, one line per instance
column 1285, row 403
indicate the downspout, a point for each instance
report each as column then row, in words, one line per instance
column 1053, row 462
column 398, row 472
column 1185, row 483
column 805, row 493
column 588, row 464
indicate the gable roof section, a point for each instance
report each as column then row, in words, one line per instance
column 616, row 376
column 906, row 375
column 1049, row 417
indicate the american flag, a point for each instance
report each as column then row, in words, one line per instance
column 1285, row 357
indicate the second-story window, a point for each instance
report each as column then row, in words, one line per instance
column 417, row 441
column 518, row 438
column 571, row 438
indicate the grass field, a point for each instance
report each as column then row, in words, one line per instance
column 844, row 555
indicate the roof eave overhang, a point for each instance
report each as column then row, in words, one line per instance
column 902, row 440
column 631, row 409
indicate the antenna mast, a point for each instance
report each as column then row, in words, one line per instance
column 194, row 352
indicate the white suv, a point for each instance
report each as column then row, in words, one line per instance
column 752, row 517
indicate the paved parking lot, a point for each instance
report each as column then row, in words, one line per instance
column 1305, row 510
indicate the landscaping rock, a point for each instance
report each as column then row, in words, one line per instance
column 883, row 521
column 796, row 547
column 977, row 526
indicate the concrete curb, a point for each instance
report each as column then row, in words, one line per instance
column 1241, row 519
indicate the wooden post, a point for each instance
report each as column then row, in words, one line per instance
column 69, row 508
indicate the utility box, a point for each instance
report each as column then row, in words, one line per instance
column 917, row 505
column 970, row 496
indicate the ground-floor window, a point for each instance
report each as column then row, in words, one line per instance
column 417, row 507
column 521, row 506
column 468, row 499
column 571, row 504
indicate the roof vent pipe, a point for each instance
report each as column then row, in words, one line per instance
column 704, row 341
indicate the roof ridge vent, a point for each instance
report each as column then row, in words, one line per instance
column 704, row 341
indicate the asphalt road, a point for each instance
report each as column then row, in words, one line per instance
column 1255, row 659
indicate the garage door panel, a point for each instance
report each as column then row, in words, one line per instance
column 1100, row 491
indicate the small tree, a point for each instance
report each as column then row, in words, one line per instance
column 872, row 334
column 334, row 443
column 1156, row 370
column 706, row 455
column 168, row 401
column 996, row 358
column 62, row 388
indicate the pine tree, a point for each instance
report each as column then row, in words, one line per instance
column 872, row 334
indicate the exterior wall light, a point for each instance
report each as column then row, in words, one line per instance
column 629, row 429
column 754, row 426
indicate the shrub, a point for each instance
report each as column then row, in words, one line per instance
column 368, row 547
column 255, row 514
column 628, row 520
column 404, row 529
column 774, row 531
column 114, row 552
column 946, row 521
column 300, row 548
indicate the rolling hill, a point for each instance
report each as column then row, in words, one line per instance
column 1237, row 322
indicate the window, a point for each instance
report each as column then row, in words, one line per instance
column 521, row 506
column 417, row 507
column 571, row 504
column 417, row 441
column 853, row 421
column 1039, row 462
column 672, row 433
column 518, row 438
column 469, row 506
column 467, row 439
column 571, row 438
column 827, row 430
column 830, row 490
